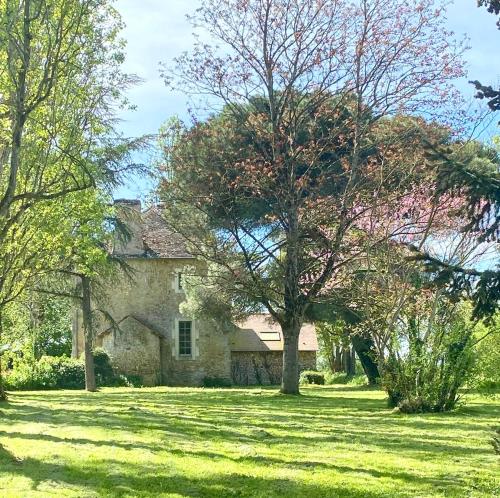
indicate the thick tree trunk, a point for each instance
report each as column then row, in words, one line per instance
column 290, row 379
column 337, row 364
column 365, row 349
column 349, row 357
column 90, row 384
column 331, row 359
column 353, row 360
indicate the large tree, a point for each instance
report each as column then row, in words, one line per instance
column 283, row 173
column 60, row 83
column 60, row 79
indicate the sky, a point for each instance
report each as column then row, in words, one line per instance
column 157, row 31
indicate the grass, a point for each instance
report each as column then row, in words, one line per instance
column 335, row 441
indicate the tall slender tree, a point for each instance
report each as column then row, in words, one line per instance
column 60, row 83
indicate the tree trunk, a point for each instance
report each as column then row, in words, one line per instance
column 337, row 364
column 3, row 396
column 353, row 360
column 290, row 379
column 90, row 384
column 365, row 350
column 74, row 333
column 331, row 359
column 19, row 101
column 349, row 361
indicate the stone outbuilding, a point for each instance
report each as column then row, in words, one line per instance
column 257, row 351
column 148, row 335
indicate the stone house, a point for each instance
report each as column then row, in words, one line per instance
column 151, row 338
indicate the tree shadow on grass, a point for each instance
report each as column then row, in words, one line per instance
column 236, row 416
column 124, row 480
column 216, row 425
column 7, row 458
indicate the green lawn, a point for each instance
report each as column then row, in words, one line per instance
column 332, row 441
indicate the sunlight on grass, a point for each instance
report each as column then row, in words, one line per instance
column 332, row 441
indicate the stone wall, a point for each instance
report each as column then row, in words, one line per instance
column 213, row 360
column 264, row 368
column 147, row 307
column 151, row 297
column 134, row 350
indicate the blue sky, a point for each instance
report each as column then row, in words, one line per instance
column 157, row 30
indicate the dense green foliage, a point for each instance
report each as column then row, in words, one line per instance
column 61, row 372
column 437, row 362
column 487, row 356
column 60, row 153
column 48, row 372
column 38, row 325
column 312, row 377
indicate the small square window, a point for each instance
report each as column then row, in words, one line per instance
column 179, row 282
column 185, row 339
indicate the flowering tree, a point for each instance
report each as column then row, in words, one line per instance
column 272, row 189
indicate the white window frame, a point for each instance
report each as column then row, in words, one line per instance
column 195, row 352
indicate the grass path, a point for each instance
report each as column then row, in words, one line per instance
column 175, row 442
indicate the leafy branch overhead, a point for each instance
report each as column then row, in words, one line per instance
column 480, row 185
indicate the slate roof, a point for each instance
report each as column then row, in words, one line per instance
column 150, row 234
column 259, row 333
column 159, row 240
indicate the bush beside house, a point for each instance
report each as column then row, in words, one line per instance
column 61, row 372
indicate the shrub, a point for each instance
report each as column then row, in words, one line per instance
column 121, row 380
column 429, row 376
column 103, row 370
column 414, row 405
column 216, row 382
column 312, row 377
column 487, row 356
column 133, row 380
column 70, row 373
column 61, row 372
column 50, row 372
column 343, row 378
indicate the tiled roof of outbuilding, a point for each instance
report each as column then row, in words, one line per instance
column 259, row 333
